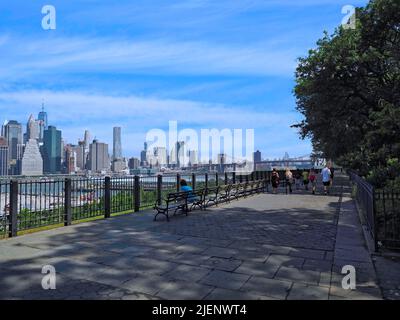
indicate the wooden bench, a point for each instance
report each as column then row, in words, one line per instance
column 196, row 199
column 211, row 196
column 188, row 201
column 176, row 201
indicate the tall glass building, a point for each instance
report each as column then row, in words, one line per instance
column 4, row 154
column 43, row 123
column 12, row 132
column 117, row 145
column 51, row 150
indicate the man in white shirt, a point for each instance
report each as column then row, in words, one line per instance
column 326, row 178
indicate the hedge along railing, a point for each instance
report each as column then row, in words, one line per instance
column 381, row 208
column 33, row 204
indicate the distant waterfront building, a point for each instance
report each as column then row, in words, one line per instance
column 117, row 144
column 43, row 123
column 98, row 157
column 143, row 155
column 4, row 157
column 119, row 165
column 52, row 150
column 134, row 163
column 32, row 162
column 193, row 157
column 178, row 156
column 70, row 159
column 81, row 155
column 160, row 156
column 12, row 132
column 257, row 156
column 222, row 158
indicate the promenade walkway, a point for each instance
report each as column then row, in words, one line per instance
column 262, row 247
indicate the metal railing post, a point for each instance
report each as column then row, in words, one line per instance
column 178, row 182
column 233, row 177
column 159, row 189
column 13, row 222
column 67, row 202
column 206, row 181
column 375, row 231
column 226, row 178
column 107, row 197
column 193, row 181
column 216, row 179
column 136, row 194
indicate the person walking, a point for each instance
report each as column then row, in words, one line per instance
column 274, row 180
column 289, row 180
column 297, row 178
column 326, row 179
column 332, row 173
column 306, row 180
column 313, row 179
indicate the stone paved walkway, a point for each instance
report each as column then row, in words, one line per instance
column 263, row 247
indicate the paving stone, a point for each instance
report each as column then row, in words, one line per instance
column 187, row 273
column 325, row 279
column 267, row 270
column 147, row 285
column 184, row 291
column 301, row 291
column 298, row 275
column 226, row 280
column 221, row 252
column 231, row 295
column 251, row 256
column 190, row 259
column 222, row 263
column 285, row 261
column 308, row 253
column 269, row 287
column 317, row 265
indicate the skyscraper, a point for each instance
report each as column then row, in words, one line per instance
column 257, row 156
column 86, row 140
column 117, row 146
column 98, row 157
column 70, row 159
column 143, row 155
column 32, row 162
column 43, row 122
column 134, row 163
column 32, row 129
column 193, row 157
column 4, row 157
column 52, row 150
column 160, row 154
column 80, row 155
column 12, row 132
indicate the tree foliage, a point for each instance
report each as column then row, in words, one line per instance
column 348, row 89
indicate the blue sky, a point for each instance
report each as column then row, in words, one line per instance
column 140, row 63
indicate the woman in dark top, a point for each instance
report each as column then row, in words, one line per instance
column 274, row 180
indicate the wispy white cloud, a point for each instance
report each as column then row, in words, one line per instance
column 73, row 112
column 25, row 57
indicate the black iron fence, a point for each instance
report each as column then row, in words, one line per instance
column 36, row 203
column 381, row 209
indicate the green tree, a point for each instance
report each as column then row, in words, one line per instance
column 348, row 90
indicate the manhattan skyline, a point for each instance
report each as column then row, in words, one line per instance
column 147, row 64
